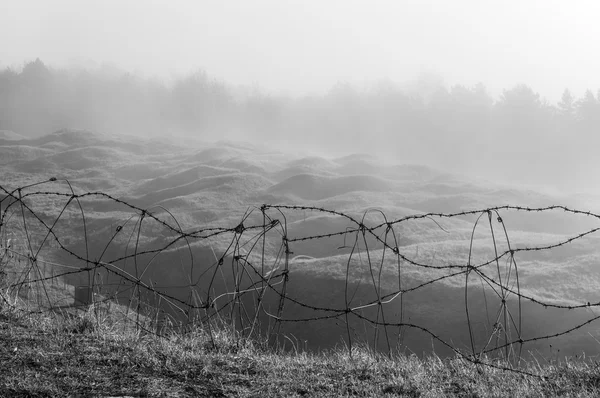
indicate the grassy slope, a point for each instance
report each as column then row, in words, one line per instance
column 52, row 360
column 40, row 356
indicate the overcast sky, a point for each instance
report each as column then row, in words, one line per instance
column 300, row 47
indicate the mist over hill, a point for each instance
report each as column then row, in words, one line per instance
column 299, row 198
column 517, row 138
column 217, row 185
column 201, row 153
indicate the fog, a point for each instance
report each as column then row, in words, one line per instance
column 507, row 91
column 307, row 46
column 283, row 114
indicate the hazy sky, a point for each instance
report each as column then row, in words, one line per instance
column 307, row 46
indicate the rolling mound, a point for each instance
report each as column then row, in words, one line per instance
column 88, row 157
column 313, row 162
column 213, row 155
column 244, row 146
column 11, row 136
column 55, row 146
column 444, row 204
column 439, row 189
column 243, row 165
column 359, row 165
column 141, row 171
column 70, row 137
column 410, row 172
column 99, row 183
column 315, row 187
column 238, row 184
column 355, row 157
column 301, row 169
column 37, row 165
column 16, row 153
column 184, row 177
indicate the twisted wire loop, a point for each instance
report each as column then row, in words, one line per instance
column 261, row 274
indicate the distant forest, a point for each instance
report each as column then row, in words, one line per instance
column 518, row 136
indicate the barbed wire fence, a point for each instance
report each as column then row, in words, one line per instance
column 140, row 263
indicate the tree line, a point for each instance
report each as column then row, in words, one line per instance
column 516, row 136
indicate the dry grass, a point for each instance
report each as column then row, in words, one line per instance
column 43, row 356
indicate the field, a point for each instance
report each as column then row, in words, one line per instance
column 314, row 257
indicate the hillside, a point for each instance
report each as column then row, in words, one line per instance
column 328, row 250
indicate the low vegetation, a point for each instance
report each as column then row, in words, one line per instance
column 47, row 355
column 100, row 352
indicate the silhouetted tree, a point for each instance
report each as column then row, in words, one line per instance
column 200, row 104
column 566, row 105
column 522, row 113
column 8, row 90
column 588, row 115
column 392, row 115
column 35, row 73
column 345, row 116
column 523, row 123
column 587, row 109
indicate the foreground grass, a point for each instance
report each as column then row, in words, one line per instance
column 42, row 356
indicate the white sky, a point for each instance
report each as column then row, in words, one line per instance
column 307, row 46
